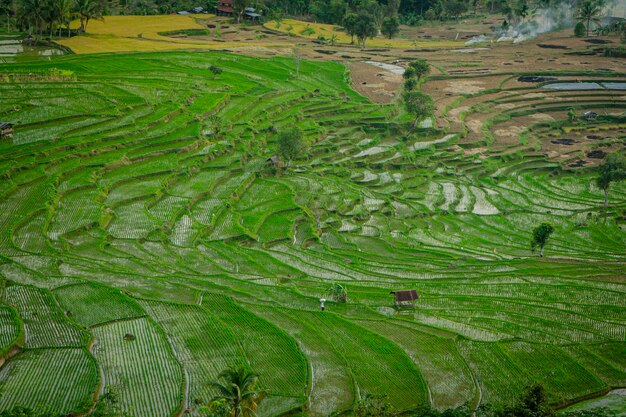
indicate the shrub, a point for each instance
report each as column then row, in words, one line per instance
column 417, row 69
column 215, row 70
column 307, row 31
column 580, row 30
column 418, row 104
column 390, row 27
column 619, row 52
column 291, row 144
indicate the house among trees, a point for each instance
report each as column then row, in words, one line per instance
column 405, row 298
column 251, row 14
column 275, row 161
column 590, row 115
column 6, row 130
column 224, row 8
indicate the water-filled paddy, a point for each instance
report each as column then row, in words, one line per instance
column 586, row 86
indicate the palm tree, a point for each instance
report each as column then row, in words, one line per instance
column 240, row 391
column 588, row 11
column 65, row 14
column 7, row 8
column 31, row 15
column 87, row 10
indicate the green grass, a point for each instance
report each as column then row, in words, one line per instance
column 93, row 304
column 58, row 380
column 444, row 370
column 148, row 377
column 45, row 324
column 123, row 211
column 11, row 329
column 201, row 343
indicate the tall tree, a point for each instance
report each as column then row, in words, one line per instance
column 365, row 27
column 329, row 11
column 239, row 389
column 349, row 24
column 390, row 26
column 612, row 170
column 239, row 7
column 417, row 104
column 455, row 8
column 7, row 8
column 588, row 12
column 391, row 8
column 372, row 8
column 291, row 144
column 64, row 10
column 417, row 69
column 31, row 16
column 541, row 234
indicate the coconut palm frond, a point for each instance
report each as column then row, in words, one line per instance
column 237, row 386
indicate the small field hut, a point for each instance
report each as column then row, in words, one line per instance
column 6, row 130
column 251, row 14
column 405, row 298
column 590, row 115
column 275, row 161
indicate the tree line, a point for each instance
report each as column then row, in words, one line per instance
column 40, row 18
column 412, row 12
column 361, row 18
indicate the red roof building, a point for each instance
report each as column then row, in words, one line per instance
column 224, row 8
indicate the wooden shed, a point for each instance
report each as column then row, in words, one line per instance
column 405, row 298
column 6, row 130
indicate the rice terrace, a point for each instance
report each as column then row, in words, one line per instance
column 360, row 208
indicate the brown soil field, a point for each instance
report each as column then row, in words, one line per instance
column 470, row 85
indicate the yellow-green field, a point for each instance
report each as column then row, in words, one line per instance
column 141, row 34
column 315, row 30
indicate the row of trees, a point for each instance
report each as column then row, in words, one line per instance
column 415, row 11
column 49, row 17
column 239, row 395
column 408, row 11
column 365, row 19
column 416, row 103
column 362, row 18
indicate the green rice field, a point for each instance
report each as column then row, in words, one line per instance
column 147, row 243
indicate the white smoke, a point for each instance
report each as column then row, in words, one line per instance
column 561, row 14
column 541, row 20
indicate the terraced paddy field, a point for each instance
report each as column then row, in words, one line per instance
column 146, row 242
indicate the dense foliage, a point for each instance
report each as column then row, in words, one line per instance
column 541, row 234
column 48, row 17
column 291, row 144
column 612, row 170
